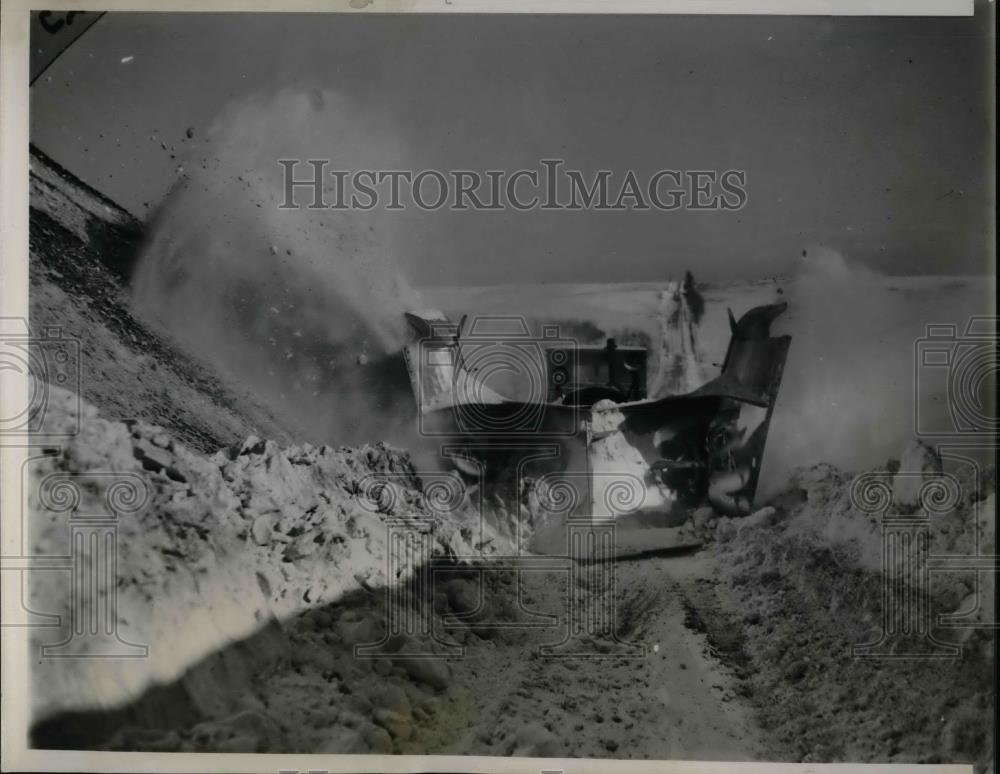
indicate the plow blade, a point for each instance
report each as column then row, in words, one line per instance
column 635, row 536
column 645, row 465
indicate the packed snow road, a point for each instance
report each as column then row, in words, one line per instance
column 660, row 691
column 672, row 700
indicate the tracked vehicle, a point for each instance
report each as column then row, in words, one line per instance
column 577, row 426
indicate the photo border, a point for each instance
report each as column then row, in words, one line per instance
column 14, row 214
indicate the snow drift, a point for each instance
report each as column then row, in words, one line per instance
column 812, row 584
column 220, row 545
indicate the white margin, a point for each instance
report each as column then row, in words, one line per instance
column 14, row 91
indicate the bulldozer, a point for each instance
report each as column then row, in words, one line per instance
column 563, row 427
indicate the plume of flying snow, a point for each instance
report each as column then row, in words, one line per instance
column 304, row 307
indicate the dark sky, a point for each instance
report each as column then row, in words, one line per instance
column 872, row 136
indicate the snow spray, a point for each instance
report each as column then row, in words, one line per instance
column 303, row 307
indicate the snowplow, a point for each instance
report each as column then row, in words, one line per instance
column 575, row 429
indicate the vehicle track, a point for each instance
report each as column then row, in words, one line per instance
column 677, row 700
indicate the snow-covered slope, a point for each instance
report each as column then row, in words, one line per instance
column 212, row 548
column 82, row 248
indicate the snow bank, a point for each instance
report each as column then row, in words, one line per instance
column 812, row 584
column 70, row 202
column 215, row 547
